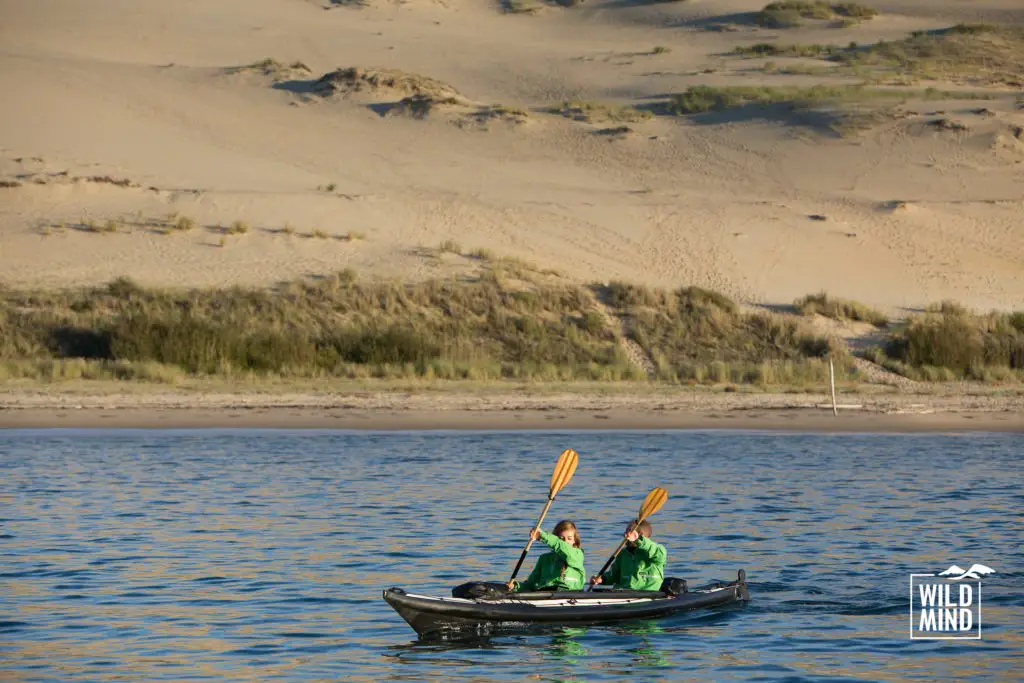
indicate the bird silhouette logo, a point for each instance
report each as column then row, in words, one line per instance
column 976, row 571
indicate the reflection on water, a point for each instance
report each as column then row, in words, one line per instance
column 245, row 555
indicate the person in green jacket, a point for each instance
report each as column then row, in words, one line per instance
column 640, row 566
column 560, row 569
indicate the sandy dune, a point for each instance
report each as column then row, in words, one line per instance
column 926, row 203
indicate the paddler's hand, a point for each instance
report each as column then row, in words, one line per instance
column 511, row 585
column 534, row 534
column 631, row 536
column 594, row 580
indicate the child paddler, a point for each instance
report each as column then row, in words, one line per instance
column 641, row 565
column 560, row 569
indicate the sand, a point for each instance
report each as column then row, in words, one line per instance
column 148, row 93
column 497, row 409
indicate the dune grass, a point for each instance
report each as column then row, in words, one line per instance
column 840, row 309
column 694, row 335
column 499, row 326
column 705, row 98
column 699, row 99
column 511, row 322
column 976, row 53
column 950, row 343
column 593, row 112
column 972, row 53
column 791, row 13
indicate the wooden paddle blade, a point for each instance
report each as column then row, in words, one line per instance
column 652, row 503
column 564, row 470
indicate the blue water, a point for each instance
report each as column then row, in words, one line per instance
column 137, row 555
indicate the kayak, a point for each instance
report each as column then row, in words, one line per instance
column 432, row 616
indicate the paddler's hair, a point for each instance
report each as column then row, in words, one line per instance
column 565, row 525
column 644, row 528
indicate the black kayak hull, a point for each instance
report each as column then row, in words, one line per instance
column 433, row 616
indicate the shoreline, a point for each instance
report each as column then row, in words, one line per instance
column 503, row 411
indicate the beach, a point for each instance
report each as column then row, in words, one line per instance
column 496, row 409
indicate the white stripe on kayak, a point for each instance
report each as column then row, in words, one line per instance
column 570, row 602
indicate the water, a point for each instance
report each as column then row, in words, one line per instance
column 261, row 555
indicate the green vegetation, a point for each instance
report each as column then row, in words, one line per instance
column 509, row 323
column 952, row 343
column 977, row 53
column 694, row 335
column 704, row 98
column 789, row 14
column 591, row 112
column 796, row 50
column 498, row 326
column 840, row 309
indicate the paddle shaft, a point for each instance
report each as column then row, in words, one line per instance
column 540, row 521
column 617, row 551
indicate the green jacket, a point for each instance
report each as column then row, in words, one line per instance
column 641, row 568
column 548, row 572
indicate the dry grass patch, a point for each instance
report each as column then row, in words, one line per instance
column 382, row 81
column 521, row 6
column 840, row 309
column 495, row 112
column 592, row 112
column 792, row 13
column 979, row 54
column 420, row 106
column 275, row 70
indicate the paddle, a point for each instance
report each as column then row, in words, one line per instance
column 652, row 503
column 564, row 470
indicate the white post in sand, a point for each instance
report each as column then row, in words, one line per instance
column 832, row 381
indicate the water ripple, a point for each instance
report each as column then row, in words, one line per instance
column 238, row 555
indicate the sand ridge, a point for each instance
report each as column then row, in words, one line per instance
column 921, row 204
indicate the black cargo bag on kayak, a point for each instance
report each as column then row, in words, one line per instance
column 673, row 586
column 480, row 589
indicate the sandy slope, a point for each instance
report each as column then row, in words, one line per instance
column 137, row 90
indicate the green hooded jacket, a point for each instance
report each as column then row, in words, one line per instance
column 548, row 573
column 641, row 568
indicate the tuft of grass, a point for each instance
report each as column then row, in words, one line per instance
column 521, row 6
column 704, row 98
column 590, row 112
column 450, row 246
column 238, row 227
column 482, row 254
column 111, row 226
column 796, row 50
column 840, row 309
column 660, row 50
column 288, row 229
column 320, row 234
column 185, row 224
column 791, row 13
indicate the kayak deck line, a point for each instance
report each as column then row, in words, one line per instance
column 552, row 602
